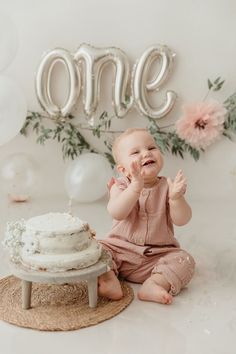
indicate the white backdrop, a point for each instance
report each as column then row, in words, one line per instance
column 201, row 33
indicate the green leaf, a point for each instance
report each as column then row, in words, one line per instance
column 110, row 158
column 209, row 84
column 217, row 80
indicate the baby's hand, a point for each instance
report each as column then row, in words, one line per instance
column 177, row 188
column 137, row 181
column 110, row 183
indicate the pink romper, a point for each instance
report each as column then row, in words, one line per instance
column 144, row 242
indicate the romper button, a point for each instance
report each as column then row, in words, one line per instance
column 144, row 193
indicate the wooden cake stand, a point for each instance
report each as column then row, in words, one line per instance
column 89, row 274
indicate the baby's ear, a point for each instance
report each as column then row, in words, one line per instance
column 120, row 169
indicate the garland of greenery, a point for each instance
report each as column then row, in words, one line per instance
column 73, row 143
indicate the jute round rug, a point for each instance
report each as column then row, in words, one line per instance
column 57, row 307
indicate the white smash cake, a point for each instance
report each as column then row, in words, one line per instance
column 52, row 242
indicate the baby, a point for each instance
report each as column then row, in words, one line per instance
column 144, row 207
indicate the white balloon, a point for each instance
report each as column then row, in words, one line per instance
column 18, row 176
column 8, row 42
column 86, row 177
column 13, row 109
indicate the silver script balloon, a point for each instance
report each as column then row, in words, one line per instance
column 141, row 86
column 94, row 60
column 43, row 80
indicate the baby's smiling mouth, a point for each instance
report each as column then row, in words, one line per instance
column 148, row 162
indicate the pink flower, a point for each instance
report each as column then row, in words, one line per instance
column 202, row 123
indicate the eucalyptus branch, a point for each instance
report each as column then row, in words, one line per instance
column 230, row 123
column 84, row 127
column 216, row 85
column 68, row 133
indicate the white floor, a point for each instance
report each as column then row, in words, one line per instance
column 202, row 318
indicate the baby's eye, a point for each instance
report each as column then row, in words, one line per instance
column 152, row 148
column 134, row 152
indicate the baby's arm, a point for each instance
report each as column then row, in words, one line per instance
column 121, row 202
column 180, row 211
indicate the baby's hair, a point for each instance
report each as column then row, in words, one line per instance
column 121, row 136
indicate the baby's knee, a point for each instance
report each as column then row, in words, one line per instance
column 186, row 260
column 186, row 268
column 178, row 269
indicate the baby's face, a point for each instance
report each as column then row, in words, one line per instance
column 141, row 147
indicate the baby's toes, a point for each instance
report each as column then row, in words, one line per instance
column 167, row 298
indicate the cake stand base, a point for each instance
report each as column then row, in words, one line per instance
column 89, row 274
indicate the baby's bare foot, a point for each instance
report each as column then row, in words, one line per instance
column 109, row 286
column 150, row 291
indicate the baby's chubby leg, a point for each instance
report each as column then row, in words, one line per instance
column 109, row 286
column 156, row 288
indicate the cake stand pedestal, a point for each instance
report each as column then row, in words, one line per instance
column 89, row 274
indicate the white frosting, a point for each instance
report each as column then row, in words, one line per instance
column 50, row 243
column 54, row 242
column 53, row 223
column 62, row 262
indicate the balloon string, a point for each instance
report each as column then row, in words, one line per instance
column 70, row 206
